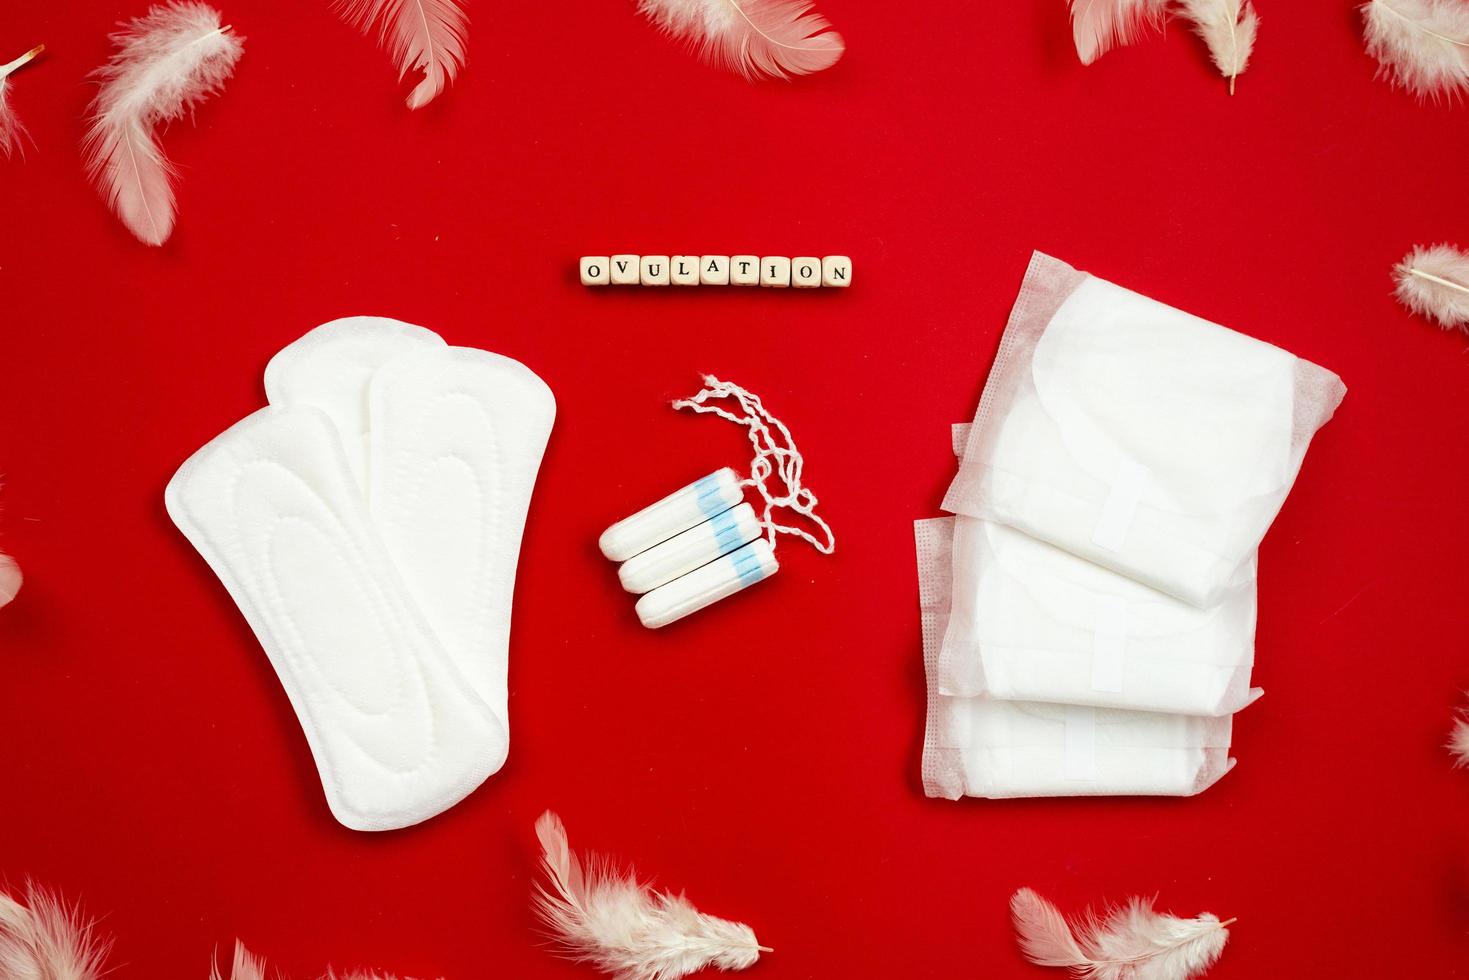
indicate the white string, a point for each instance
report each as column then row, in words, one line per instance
column 775, row 454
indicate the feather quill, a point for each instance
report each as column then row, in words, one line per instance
column 427, row 36
column 1434, row 282
column 1228, row 28
column 1128, row 943
column 12, row 132
column 621, row 926
column 45, row 939
column 1099, row 25
column 1420, row 45
column 756, row 38
column 167, row 62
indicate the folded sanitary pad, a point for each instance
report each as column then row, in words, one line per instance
column 977, row 746
column 1137, row 436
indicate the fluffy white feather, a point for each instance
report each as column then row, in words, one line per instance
column 1421, row 45
column 10, row 579
column 45, row 939
column 247, row 966
column 1228, row 28
column 167, row 62
column 1099, row 25
column 1128, row 943
column 1459, row 741
column 426, row 36
column 1433, row 282
column 756, row 38
column 622, row 926
column 12, row 132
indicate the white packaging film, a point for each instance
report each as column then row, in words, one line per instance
column 368, row 525
column 977, row 746
column 1030, row 622
column 1137, row 436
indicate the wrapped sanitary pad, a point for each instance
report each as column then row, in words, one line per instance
column 1033, row 623
column 976, row 746
column 1137, row 436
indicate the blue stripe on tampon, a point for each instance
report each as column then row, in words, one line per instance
column 710, row 500
column 747, row 566
column 726, row 530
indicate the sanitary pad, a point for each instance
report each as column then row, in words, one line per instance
column 1136, row 436
column 1030, row 622
column 368, row 525
column 976, row 746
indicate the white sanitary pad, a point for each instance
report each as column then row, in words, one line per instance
column 975, row 746
column 1032, row 623
column 368, row 524
column 1137, row 436
column 396, row 731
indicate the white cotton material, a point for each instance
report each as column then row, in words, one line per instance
column 449, row 442
column 1033, row 623
column 1137, row 436
column 396, row 729
column 704, row 499
column 705, row 586
column 691, row 549
column 331, row 367
column 977, row 746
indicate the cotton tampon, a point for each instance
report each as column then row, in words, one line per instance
column 693, row 505
column 692, row 549
column 705, row 586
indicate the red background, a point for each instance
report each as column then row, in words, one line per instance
column 763, row 755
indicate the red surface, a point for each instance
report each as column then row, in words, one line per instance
column 764, row 755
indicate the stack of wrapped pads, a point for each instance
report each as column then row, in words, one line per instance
column 1089, row 613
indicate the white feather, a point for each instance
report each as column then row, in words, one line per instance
column 1129, row 943
column 1434, row 282
column 756, row 38
column 44, row 939
column 1459, row 741
column 1228, row 28
column 1099, row 25
column 427, row 36
column 1421, row 45
column 10, row 579
column 247, row 966
column 12, row 132
column 167, row 62
column 622, row 926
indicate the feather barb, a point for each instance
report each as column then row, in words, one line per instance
column 622, row 926
column 1119, row 945
column 1433, row 282
column 167, row 62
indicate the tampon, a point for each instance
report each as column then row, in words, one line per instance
column 677, row 512
column 692, row 549
column 705, row 586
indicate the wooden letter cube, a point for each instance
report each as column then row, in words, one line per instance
column 775, row 270
column 684, row 270
column 805, row 272
column 654, row 270
column 836, row 270
column 744, row 270
column 714, row 270
column 624, row 270
column 596, row 270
